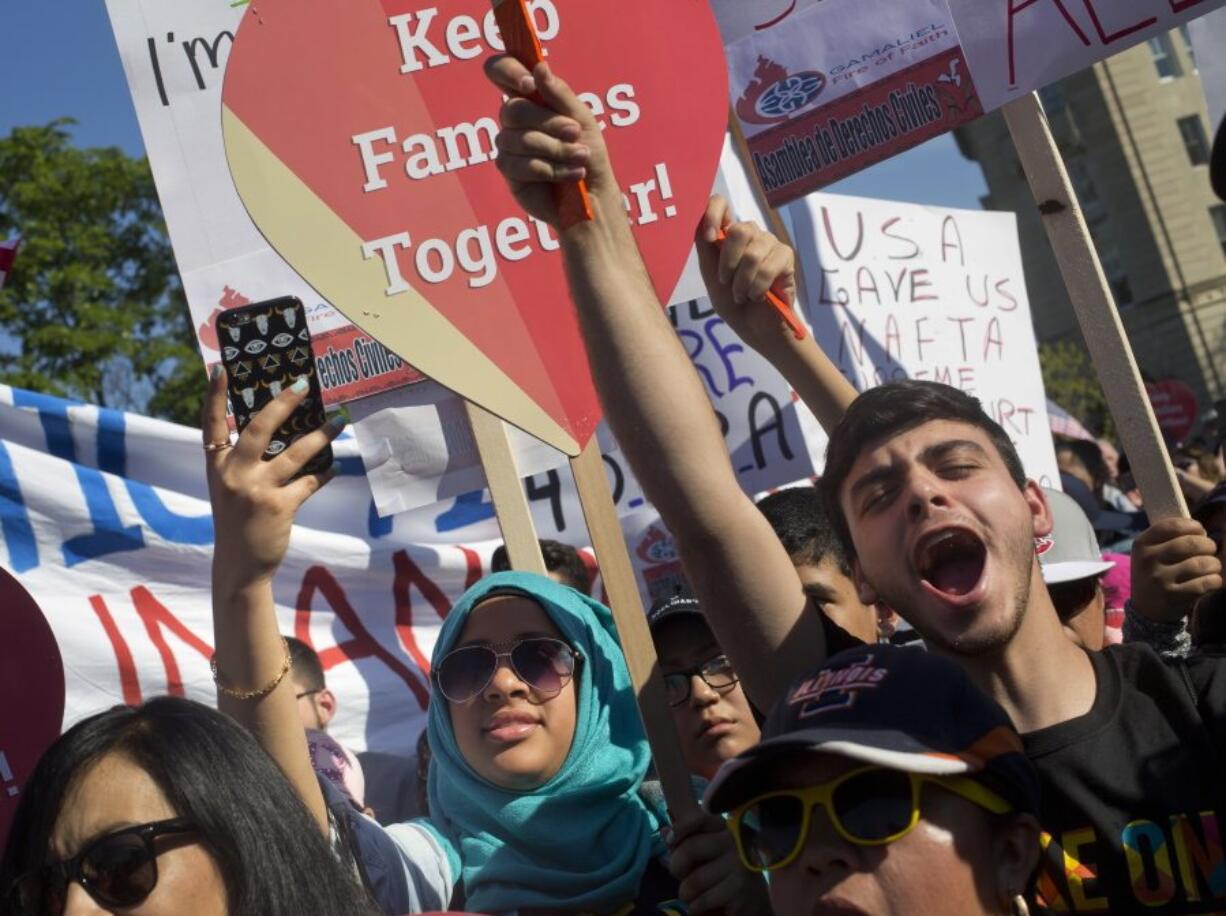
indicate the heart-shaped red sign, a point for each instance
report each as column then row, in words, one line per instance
column 360, row 137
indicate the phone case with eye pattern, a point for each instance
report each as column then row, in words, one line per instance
column 265, row 348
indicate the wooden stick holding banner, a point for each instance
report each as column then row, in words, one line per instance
column 1095, row 308
column 628, row 614
column 506, row 490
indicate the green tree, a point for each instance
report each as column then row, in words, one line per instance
column 1070, row 380
column 94, row 308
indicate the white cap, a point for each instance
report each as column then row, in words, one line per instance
column 1071, row 551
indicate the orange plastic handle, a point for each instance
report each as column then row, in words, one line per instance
column 784, row 310
column 519, row 36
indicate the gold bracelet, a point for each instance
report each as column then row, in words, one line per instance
column 252, row 694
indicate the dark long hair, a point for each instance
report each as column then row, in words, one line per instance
column 268, row 849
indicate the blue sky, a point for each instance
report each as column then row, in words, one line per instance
column 58, row 58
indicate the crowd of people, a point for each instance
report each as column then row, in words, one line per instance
column 925, row 685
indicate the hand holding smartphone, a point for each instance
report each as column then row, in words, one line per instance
column 266, row 347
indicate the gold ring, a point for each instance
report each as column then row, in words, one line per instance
column 218, row 446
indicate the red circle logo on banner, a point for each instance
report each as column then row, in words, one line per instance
column 32, row 680
column 360, row 135
column 1174, row 406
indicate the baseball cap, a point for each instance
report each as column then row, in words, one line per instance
column 1071, row 551
column 674, row 606
column 901, row 708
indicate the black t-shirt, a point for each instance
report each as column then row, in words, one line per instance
column 1132, row 790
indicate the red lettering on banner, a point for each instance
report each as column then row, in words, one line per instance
column 830, row 235
column 409, row 574
column 472, row 563
column 123, row 655
column 1013, row 10
column 948, row 245
column 361, row 644
column 154, row 615
column 1178, row 6
column 1115, row 36
column 885, row 230
column 918, row 282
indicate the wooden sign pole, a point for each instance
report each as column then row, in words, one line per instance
column 618, row 575
column 1094, row 306
column 510, row 504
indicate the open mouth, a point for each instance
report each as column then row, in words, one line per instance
column 951, row 562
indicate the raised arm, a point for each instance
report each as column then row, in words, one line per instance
column 254, row 503
column 651, row 394
column 804, row 364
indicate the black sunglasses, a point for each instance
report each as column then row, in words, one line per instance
column 117, row 870
column 544, row 663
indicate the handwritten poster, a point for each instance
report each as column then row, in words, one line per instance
column 898, row 291
column 1017, row 46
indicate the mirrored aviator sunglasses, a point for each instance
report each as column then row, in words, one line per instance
column 543, row 663
column 117, row 870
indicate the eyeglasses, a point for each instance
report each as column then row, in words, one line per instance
column 545, row 664
column 870, row 806
column 716, row 673
column 117, row 870
column 308, row 693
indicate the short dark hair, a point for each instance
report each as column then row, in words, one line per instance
column 305, row 665
column 560, row 558
column 1091, row 458
column 268, row 848
column 894, row 408
column 802, row 524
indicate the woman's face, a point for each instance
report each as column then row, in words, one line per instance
column 510, row 733
column 947, row 864
column 116, row 793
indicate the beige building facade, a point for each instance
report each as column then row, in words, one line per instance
column 1136, row 137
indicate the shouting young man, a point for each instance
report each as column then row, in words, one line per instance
column 940, row 520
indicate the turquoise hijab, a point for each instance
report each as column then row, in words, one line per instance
column 582, row 840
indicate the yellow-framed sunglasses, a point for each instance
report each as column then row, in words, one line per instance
column 868, row 806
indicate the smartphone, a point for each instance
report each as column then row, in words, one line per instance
column 266, row 347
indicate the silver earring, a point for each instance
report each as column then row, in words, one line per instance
column 1020, row 907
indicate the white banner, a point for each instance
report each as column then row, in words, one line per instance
column 1018, row 46
column 105, row 520
column 900, row 291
